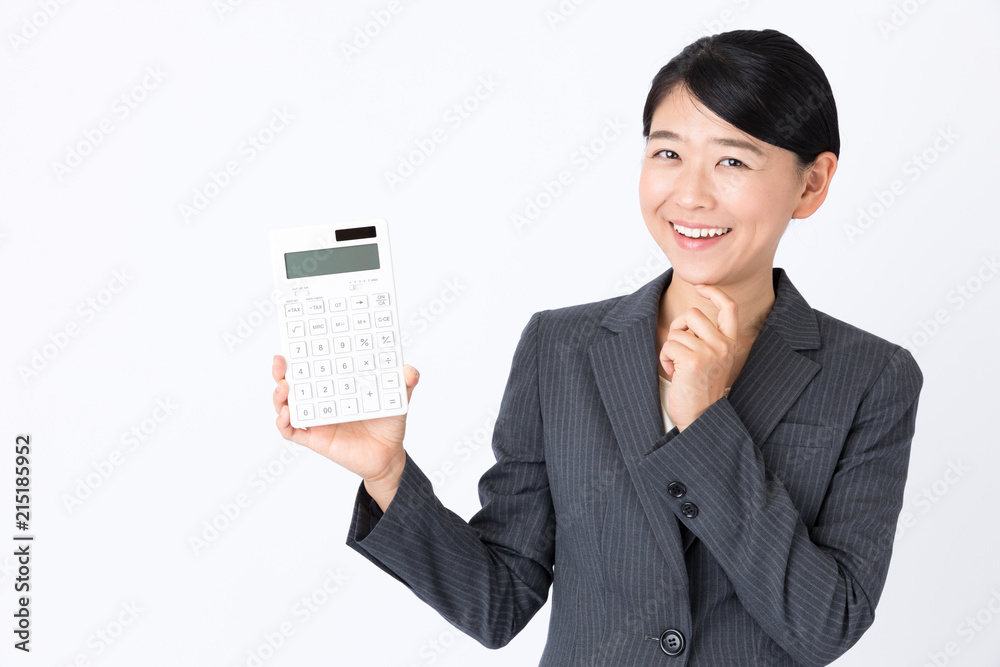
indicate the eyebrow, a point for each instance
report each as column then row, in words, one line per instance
column 720, row 141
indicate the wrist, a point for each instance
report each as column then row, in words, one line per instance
column 382, row 487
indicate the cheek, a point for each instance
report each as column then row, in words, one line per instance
column 652, row 191
column 744, row 198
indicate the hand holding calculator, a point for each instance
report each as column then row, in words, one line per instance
column 338, row 322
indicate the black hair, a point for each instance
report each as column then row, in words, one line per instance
column 761, row 82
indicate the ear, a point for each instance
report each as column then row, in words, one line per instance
column 815, row 184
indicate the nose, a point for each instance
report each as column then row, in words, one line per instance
column 693, row 188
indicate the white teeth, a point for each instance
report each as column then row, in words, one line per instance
column 702, row 232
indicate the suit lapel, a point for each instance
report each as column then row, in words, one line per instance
column 775, row 374
column 625, row 364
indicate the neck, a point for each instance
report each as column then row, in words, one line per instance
column 754, row 299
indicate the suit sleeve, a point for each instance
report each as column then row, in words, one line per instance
column 489, row 576
column 813, row 591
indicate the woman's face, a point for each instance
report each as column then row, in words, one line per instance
column 702, row 176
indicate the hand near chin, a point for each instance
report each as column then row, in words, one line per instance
column 699, row 356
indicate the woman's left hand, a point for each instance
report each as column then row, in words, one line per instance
column 699, row 356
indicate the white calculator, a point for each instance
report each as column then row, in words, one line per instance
column 339, row 324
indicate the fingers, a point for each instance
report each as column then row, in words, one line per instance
column 284, row 424
column 693, row 333
column 411, row 376
column 280, row 395
column 278, row 367
column 728, row 310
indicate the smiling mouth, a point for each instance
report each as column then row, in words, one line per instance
column 701, row 232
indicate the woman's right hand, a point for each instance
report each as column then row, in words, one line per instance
column 371, row 448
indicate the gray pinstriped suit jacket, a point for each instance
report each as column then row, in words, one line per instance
column 776, row 551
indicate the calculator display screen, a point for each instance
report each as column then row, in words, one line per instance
column 324, row 262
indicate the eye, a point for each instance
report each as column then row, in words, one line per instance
column 666, row 153
column 731, row 162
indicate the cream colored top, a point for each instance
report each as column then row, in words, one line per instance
column 668, row 423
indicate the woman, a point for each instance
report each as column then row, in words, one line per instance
column 744, row 518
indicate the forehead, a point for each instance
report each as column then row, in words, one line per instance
column 687, row 119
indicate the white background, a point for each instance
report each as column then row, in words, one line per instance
column 468, row 279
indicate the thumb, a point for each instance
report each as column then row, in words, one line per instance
column 411, row 376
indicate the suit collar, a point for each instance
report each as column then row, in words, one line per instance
column 625, row 365
column 791, row 317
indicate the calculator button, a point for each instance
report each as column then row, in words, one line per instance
column 341, row 344
column 366, row 363
column 327, row 409
column 345, row 364
column 322, row 368
column 317, row 327
column 383, row 318
column 298, row 349
column 347, row 386
column 348, row 406
column 390, row 380
column 300, row 371
column 324, row 389
column 296, row 329
column 392, row 401
column 387, row 360
column 359, row 301
column 320, row 346
column 338, row 324
column 364, row 341
column 315, row 308
column 386, row 339
column 381, row 299
column 369, row 393
column 362, row 321
column 303, row 391
column 306, row 412
column 293, row 310
column 338, row 303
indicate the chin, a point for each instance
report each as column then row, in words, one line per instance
column 697, row 275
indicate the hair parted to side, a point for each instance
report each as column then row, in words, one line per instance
column 761, row 82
